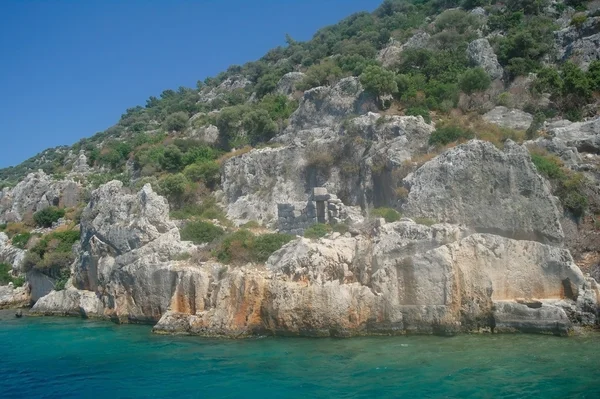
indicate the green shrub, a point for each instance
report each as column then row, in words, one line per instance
column 264, row 245
column 235, row 247
column 208, row 209
column 578, row 20
column 47, row 216
column 317, row 231
column 7, row 277
column 448, row 134
column 176, row 121
column 325, row 73
column 378, row 80
column 207, row 172
column 21, row 240
column 62, row 279
column 390, row 215
column 548, row 165
column 474, row 79
column 593, row 75
column 201, row 232
column 425, row 221
column 419, row 111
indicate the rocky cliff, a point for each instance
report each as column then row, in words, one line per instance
column 393, row 175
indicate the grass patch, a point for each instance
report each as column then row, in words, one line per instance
column 20, row 240
column 390, row 215
column 200, row 232
column 242, row 247
column 425, row 221
column 318, row 230
column 208, row 210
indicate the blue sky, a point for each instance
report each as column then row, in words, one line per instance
column 69, row 69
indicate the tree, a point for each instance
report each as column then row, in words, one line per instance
column 176, row 121
column 172, row 159
column 474, row 79
column 47, row 216
column 379, row 81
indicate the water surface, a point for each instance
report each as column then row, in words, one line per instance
column 73, row 358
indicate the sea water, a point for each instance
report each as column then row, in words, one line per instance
column 74, row 358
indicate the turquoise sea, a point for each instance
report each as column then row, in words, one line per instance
column 73, row 358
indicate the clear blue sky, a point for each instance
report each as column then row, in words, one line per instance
column 69, row 69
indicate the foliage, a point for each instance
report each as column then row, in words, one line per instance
column 21, row 240
column 201, row 232
column 242, row 246
column 62, row 279
column 52, row 253
column 47, row 216
column 264, row 245
column 448, row 134
column 317, row 231
column 7, row 277
column 474, row 79
column 419, row 111
column 568, row 186
column 378, row 80
column 208, row 209
column 390, row 215
column 325, row 73
column 425, row 221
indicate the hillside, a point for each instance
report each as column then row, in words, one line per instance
column 422, row 150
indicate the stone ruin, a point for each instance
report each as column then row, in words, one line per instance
column 322, row 207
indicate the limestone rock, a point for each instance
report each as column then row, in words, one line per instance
column 481, row 54
column 9, row 254
column 11, row 297
column 584, row 136
column 391, row 54
column 487, row 189
column 580, row 44
column 328, row 106
column 406, row 278
column 69, row 302
column 127, row 244
column 36, row 192
column 509, row 118
column 228, row 85
column 287, row 83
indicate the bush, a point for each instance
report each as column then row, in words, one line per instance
column 201, row 232
column 317, row 231
column 7, row 277
column 378, row 80
column 47, row 216
column 176, row 122
column 21, row 240
column 264, row 245
column 419, row 111
column 207, row 172
column 449, row 134
column 62, row 279
column 390, row 215
column 325, row 73
column 424, row 221
column 235, row 248
column 474, row 79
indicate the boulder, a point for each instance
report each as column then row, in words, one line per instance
column 391, row 54
column 487, row 189
column 287, row 83
column 480, row 53
column 11, row 297
column 10, row 255
column 584, row 136
column 580, row 44
column 509, row 118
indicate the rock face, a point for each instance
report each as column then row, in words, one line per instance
column 390, row 55
column 481, row 54
column 341, row 161
column 127, row 245
column 9, row 254
column 487, row 189
column 37, row 191
column 584, row 136
column 580, row 44
column 228, row 85
column 327, row 106
column 287, row 83
column 509, row 118
column 11, row 297
column 405, row 278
